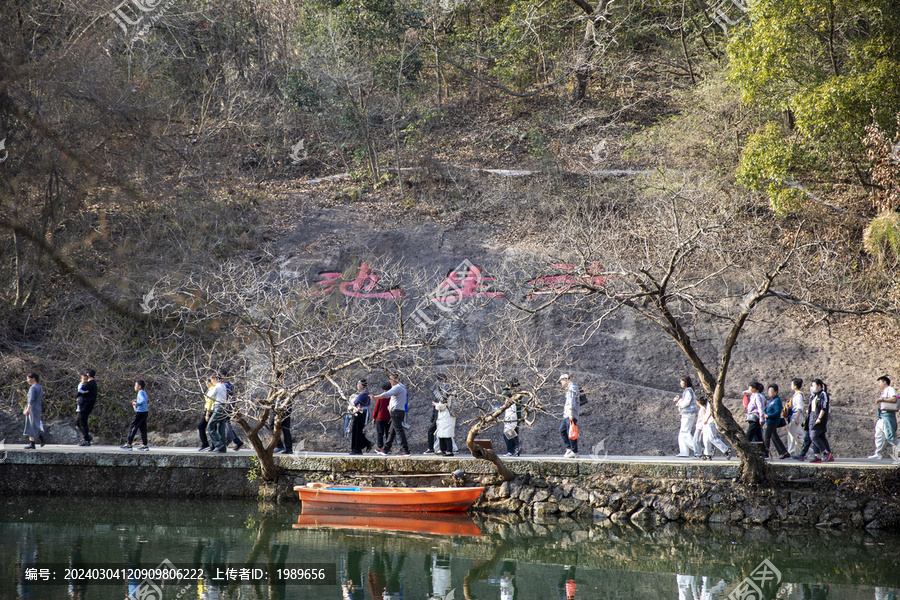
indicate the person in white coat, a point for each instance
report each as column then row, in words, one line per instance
column 796, row 418
column 709, row 433
column 570, row 415
column 886, row 420
column 687, row 405
column 446, row 424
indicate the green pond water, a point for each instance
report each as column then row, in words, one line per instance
column 98, row 548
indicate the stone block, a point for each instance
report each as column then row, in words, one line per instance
column 540, row 495
column 568, row 505
column 559, row 493
column 543, row 509
column 579, row 493
column 758, row 514
column 526, row 493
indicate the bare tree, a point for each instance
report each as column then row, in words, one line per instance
column 293, row 337
column 509, row 349
column 690, row 262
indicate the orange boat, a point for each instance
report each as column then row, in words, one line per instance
column 444, row 524
column 318, row 496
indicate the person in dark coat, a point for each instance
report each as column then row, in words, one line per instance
column 359, row 409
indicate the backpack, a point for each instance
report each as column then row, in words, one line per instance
column 229, row 397
column 582, row 399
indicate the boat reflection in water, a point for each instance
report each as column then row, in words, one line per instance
column 427, row 556
column 459, row 524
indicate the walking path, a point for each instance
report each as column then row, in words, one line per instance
column 246, row 451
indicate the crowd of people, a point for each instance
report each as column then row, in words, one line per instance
column 804, row 419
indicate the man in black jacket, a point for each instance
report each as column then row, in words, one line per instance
column 86, row 401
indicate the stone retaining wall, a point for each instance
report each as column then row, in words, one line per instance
column 639, row 492
column 545, row 490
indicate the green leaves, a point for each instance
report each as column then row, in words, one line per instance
column 766, row 165
column 833, row 65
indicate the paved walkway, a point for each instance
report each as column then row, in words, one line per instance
column 248, row 451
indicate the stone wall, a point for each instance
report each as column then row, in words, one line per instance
column 643, row 493
column 544, row 491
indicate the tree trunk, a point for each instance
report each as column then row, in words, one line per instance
column 584, row 56
column 266, row 454
column 583, row 68
column 753, row 467
column 483, row 453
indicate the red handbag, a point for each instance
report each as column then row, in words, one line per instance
column 573, row 431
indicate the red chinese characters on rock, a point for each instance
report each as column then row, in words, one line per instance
column 363, row 286
column 566, row 279
column 465, row 281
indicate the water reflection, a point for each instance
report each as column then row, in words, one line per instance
column 431, row 524
column 435, row 558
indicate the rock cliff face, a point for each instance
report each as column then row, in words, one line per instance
column 629, row 368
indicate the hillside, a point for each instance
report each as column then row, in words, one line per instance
column 295, row 140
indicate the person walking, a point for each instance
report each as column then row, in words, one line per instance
column 34, row 411
column 795, row 413
column 230, row 405
column 774, row 420
column 687, row 405
column 87, row 400
column 818, row 422
column 439, row 391
column 570, row 416
column 885, row 420
column 215, row 429
column 446, row 424
column 286, row 443
column 382, row 417
column 140, row 417
column 709, row 435
column 756, row 413
column 398, row 402
column 358, row 405
column 511, row 419
column 208, row 404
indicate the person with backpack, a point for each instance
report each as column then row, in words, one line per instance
column 230, row 434
column 511, row 419
column 359, row 412
column 570, row 416
column 818, row 422
column 885, row 419
column 774, row 420
column 687, row 406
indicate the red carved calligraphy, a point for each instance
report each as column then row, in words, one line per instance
column 365, row 285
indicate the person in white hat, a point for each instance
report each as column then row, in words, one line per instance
column 570, row 415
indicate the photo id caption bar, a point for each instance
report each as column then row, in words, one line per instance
column 289, row 573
